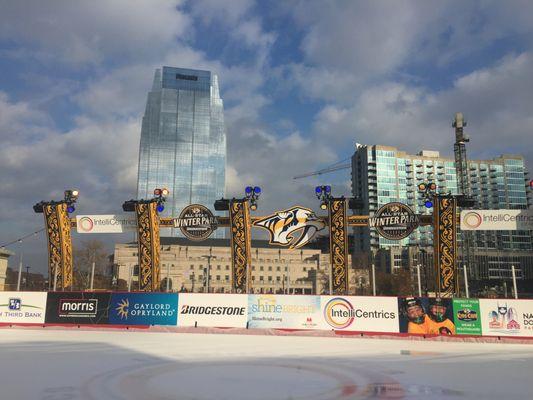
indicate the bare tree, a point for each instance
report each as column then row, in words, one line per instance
column 84, row 255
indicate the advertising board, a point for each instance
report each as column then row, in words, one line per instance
column 467, row 316
column 22, row 307
column 394, row 221
column 362, row 314
column 505, row 317
column 77, row 308
column 106, row 223
column 196, row 222
column 218, row 310
column 283, row 311
column 143, row 309
column 496, row 220
column 426, row 316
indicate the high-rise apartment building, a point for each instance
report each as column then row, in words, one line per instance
column 183, row 140
column 382, row 174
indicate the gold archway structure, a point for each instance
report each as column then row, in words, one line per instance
column 240, row 222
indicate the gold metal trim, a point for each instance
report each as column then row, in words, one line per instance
column 445, row 245
column 338, row 238
column 148, row 246
column 240, row 241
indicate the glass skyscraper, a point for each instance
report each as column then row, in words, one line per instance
column 183, row 140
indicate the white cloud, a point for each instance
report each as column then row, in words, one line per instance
column 496, row 100
column 225, row 12
column 348, row 46
column 87, row 33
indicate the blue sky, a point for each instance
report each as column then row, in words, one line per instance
column 302, row 81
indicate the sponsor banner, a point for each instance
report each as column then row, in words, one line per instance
column 219, row 310
column 425, row 316
column 467, row 316
column 196, row 222
column 496, row 220
column 106, row 223
column 143, row 309
column 364, row 314
column 394, row 221
column 504, row 317
column 279, row 311
column 77, row 308
column 22, row 307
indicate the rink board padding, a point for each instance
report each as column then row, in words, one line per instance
column 349, row 315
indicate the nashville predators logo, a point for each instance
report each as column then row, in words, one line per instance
column 283, row 224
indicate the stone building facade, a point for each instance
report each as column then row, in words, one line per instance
column 188, row 265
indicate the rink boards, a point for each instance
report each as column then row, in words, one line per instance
column 473, row 317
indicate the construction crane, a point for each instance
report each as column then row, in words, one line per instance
column 465, row 189
column 334, row 167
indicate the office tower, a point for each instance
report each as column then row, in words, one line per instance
column 183, row 140
column 383, row 174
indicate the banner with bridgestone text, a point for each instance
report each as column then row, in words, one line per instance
column 214, row 310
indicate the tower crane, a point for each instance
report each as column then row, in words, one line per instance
column 334, row 167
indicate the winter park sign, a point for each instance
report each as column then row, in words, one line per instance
column 394, row 221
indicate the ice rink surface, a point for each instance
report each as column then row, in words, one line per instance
column 50, row 364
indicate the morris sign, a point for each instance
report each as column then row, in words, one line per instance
column 394, row 221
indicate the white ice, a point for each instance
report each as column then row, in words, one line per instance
column 50, row 364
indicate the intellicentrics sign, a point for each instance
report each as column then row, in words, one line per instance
column 106, row 223
column 494, row 220
column 394, row 221
column 370, row 314
column 196, row 222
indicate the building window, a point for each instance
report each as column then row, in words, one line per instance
column 261, row 268
column 227, row 278
column 261, row 278
column 278, row 268
column 270, row 268
column 227, row 267
column 186, row 77
column 270, row 279
column 218, row 277
column 192, row 266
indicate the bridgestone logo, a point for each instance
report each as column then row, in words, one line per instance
column 207, row 310
column 78, row 307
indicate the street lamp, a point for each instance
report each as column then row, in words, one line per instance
column 323, row 193
column 252, row 193
column 428, row 191
column 207, row 275
column 27, row 277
